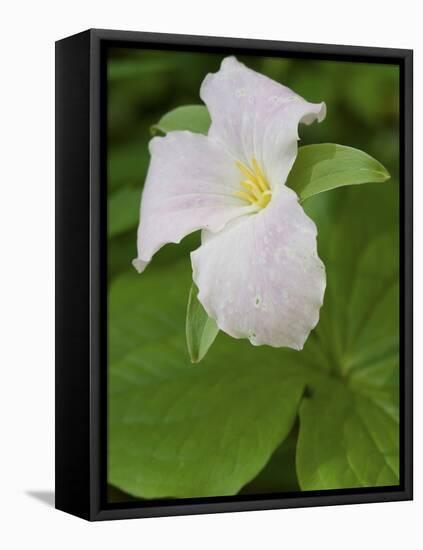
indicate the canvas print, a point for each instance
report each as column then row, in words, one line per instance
column 253, row 275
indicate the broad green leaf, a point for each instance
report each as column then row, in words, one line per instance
column 174, row 429
column 123, row 210
column 326, row 166
column 147, row 308
column 179, row 431
column 201, row 330
column 346, row 440
column 194, row 118
column 349, row 429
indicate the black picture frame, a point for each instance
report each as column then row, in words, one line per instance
column 81, row 274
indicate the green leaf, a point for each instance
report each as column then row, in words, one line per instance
column 349, row 426
column 194, row 118
column 124, row 209
column 346, row 440
column 174, row 429
column 179, row 431
column 147, row 308
column 326, row 166
column 201, row 330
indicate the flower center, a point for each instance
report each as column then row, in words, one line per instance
column 255, row 188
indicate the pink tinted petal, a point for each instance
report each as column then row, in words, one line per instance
column 190, row 185
column 254, row 116
column 261, row 278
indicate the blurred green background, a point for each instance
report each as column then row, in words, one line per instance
column 362, row 111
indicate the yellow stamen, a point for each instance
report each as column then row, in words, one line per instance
column 261, row 178
column 252, row 188
column 246, row 171
column 257, row 188
column 246, row 196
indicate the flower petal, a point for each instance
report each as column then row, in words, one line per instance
column 261, row 278
column 190, row 185
column 256, row 117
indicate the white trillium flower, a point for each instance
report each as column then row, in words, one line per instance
column 257, row 269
